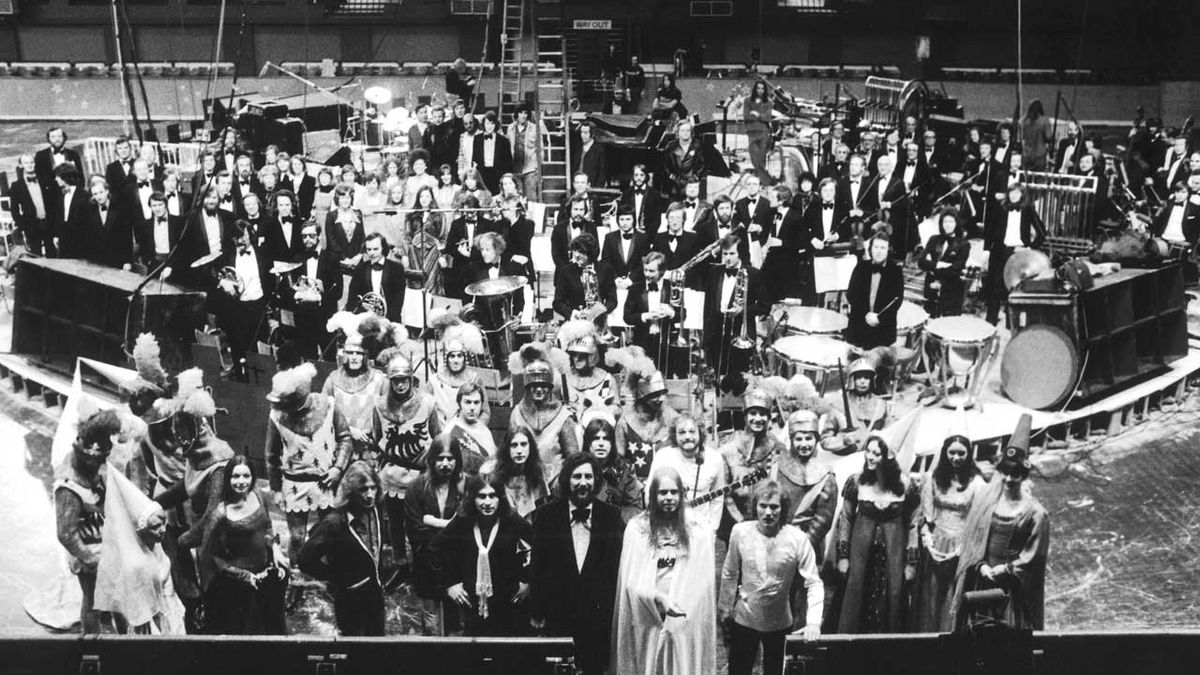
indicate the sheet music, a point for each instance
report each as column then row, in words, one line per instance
column 693, row 306
column 536, row 211
column 833, row 273
column 543, row 261
column 616, row 318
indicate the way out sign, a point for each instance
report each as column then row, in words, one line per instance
column 592, row 24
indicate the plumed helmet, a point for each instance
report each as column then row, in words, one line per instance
column 803, row 420
column 649, row 386
column 860, row 367
column 758, row 398
column 538, row 372
column 398, row 367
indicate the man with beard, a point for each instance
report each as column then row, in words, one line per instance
column 380, row 274
column 645, row 429
column 545, row 413
column 567, row 231
column 79, row 507
column 406, row 422
column 761, row 565
column 353, row 388
column 54, row 155
column 314, row 290
column 583, row 534
column 869, row 412
column 647, row 203
column 666, row 604
column 343, row 550
column 459, row 247
column 809, row 485
column 589, row 388
column 721, row 226
column 751, row 448
column 725, row 314
column 209, row 233
column 701, row 468
column 308, row 447
column 468, row 431
column 432, row 501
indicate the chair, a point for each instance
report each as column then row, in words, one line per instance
column 207, row 339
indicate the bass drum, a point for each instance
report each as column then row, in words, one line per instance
column 1040, row 367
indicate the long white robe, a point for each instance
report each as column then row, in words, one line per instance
column 644, row 643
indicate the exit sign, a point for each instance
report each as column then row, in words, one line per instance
column 593, row 24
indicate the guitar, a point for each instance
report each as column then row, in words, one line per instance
column 749, row 479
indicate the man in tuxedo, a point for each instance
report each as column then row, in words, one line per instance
column 49, row 158
column 493, row 153
column 914, row 175
column 29, row 200
column 120, row 170
column 137, row 190
column 576, row 553
column 697, row 211
column 647, row 203
column 439, row 139
column 517, row 231
column 723, row 314
column 890, row 196
column 825, row 222
column 377, row 274
column 676, row 244
column 313, row 301
column 1069, row 149
column 722, row 225
column 624, row 249
column 209, row 232
column 282, row 235
column 157, row 237
column 225, row 198
column 493, row 264
column 856, row 190
column 577, row 223
column 589, row 157
column 651, row 317
column 241, row 304
column 571, row 282
column 416, row 133
column 67, row 206
column 206, row 175
column 1014, row 225
column 460, row 246
column 890, row 148
column 787, row 269
column 1179, row 219
column 245, row 179
column 581, row 188
column 1182, row 165
column 107, row 228
column 754, row 211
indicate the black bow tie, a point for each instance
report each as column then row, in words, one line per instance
column 639, row 191
column 828, row 206
column 160, row 221
column 674, row 238
column 691, row 205
column 494, row 265
column 287, row 219
column 169, row 195
column 653, row 288
column 581, row 514
column 245, row 253
column 627, row 237
column 911, row 162
column 313, row 255
column 488, row 137
column 226, row 200
column 730, row 272
column 32, row 179
column 855, row 181
column 1014, row 208
column 143, row 183
column 378, row 267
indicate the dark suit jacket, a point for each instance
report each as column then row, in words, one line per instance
column 763, row 215
column 118, row 175
column 954, row 250
column 329, row 273
column 560, row 240
column 143, row 233
column 478, row 271
column 43, row 164
column 889, row 295
column 631, row 267
column 276, row 246
column 592, row 162
column 108, row 242
column 654, row 204
column 708, row 232
column 518, row 237
column 1032, row 232
column 814, row 223
column 572, row 601
column 502, row 160
column 69, row 226
column 268, row 280
column 306, row 194
column 564, row 210
column 684, row 250
column 442, row 144
column 335, row 553
column 21, row 202
column 1191, row 221
column 756, row 303
column 868, row 196
column 392, row 286
column 339, row 245
column 130, row 196
column 569, row 290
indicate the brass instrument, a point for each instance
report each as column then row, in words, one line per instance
column 592, row 307
column 374, row 303
column 741, row 292
column 230, row 282
column 307, row 290
column 609, row 217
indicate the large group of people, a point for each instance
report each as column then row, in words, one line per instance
column 401, row 473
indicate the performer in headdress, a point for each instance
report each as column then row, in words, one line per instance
column 588, row 387
column 467, row 430
column 646, row 427
column 748, row 449
column 459, row 341
column 809, row 484
column 869, row 412
column 542, row 408
column 353, row 388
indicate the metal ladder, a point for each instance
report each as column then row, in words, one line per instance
column 512, row 63
column 553, row 93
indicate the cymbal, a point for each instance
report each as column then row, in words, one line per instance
column 201, row 262
column 378, row 95
column 498, row 286
column 1023, row 265
column 283, row 266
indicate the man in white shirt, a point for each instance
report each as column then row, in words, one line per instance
column 702, row 469
column 753, row 606
column 243, row 305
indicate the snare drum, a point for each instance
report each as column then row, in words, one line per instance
column 965, row 347
column 810, row 355
column 812, row 321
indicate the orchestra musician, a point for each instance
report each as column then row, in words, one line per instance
column 106, row 237
column 625, row 248
column 893, row 201
column 493, row 264
column 677, row 245
column 517, row 231
column 30, row 201
column 585, row 288
column 1175, row 166
column 1070, row 147
column 684, row 160
column 210, row 232
column 1178, row 221
column 313, row 291
column 157, row 237
column 1015, row 225
column 582, row 188
column 722, row 225
column 648, row 204
column 589, row 157
column 697, row 211
column 55, row 154
column 943, row 260
column 734, row 299
column 915, row 175
column 578, row 224
column 857, row 192
column 785, row 257
column 649, row 313
column 875, row 291
column 459, row 247
column 241, row 304
column 825, row 223
column 378, row 273
column 754, row 211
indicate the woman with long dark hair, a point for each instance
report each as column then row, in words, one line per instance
column 757, row 116
column 518, row 467
column 946, row 497
column 619, row 485
column 245, row 596
column 420, row 249
column 943, row 260
column 480, row 558
column 874, row 555
column 1036, row 136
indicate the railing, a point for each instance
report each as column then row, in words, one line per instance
column 98, row 153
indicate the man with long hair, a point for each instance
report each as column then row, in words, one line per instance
column 573, row 569
column 701, row 467
column 666, row 603
column 343, row 549
column 432, row 501
column 873, row 553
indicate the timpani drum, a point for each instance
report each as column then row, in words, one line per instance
column 965, row 347
column 797, row 320
column 493, row 308
column 815, row 356
column 910, row 324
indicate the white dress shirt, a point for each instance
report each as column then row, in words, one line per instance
column 1012, row 230
column 377, row 280
column 212, row 231
column 68, row 194
column 489, row 150
column 1174, row 228
column 246, row 265
column 144, row 193
column 35, row 196
column 855, row 186
column 162, row 236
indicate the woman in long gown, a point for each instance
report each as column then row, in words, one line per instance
column 420, row 248
column 874, row 555
column 946, row 497
column 1004, row 544
column 519, row 468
